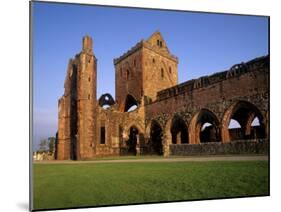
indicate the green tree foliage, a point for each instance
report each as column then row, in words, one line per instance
column 47, row 145
column 43, row 146
column 51, row 141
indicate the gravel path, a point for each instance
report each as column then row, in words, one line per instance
column 160, row 159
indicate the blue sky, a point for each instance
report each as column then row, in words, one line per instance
column 204, row 43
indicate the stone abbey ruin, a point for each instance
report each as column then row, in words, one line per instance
column 152, row 114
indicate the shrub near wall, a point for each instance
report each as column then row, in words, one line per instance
column 259, row 146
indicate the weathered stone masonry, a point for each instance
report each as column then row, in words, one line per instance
column 170, row 118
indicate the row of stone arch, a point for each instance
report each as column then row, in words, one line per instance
column 242, row 112
column 177, row 131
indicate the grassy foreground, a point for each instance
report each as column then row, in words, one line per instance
column 90, row 184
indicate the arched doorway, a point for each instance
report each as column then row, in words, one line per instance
column 133, row 140
column 179, row 131
column 156, row 135
column 204, row 127
column 243, row 121
column 207, row 127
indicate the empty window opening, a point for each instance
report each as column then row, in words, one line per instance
column 208, row 133
column 102, row 135
column 160, row 44
column 170, row 70
column 162, row 73
column 233, row 124
column 89, row 96
column 235, row 130
column 89, row 79
column 153, row 60
column 131, row 143
column 155, row 141
column 179, row 131
column 250, row 122
column 207, row 127
column 120, row 136
column 127, row 74
column 256, row 122
column 256, row 131
column 130, row 104
column 106, row 101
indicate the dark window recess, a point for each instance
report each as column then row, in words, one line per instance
column 170, row 70
column 102, row 135
column 160, row 44
column 89, row 79
column 153, row 60
column 89, row 96
column 162, row 73
column 128, row 74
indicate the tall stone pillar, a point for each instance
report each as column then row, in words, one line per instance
column 166, row 150
column 178, row 137
column 86, row 99
column 63, row 145
column 138, row 145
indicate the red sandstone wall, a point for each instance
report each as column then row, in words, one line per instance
column 154, row 65
column 128, row 83
column 251, row 86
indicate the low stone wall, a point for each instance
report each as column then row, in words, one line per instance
column 259, row 146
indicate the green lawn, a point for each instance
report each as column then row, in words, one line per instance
column 91, row 184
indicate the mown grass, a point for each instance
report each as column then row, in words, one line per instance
column 91, row 184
